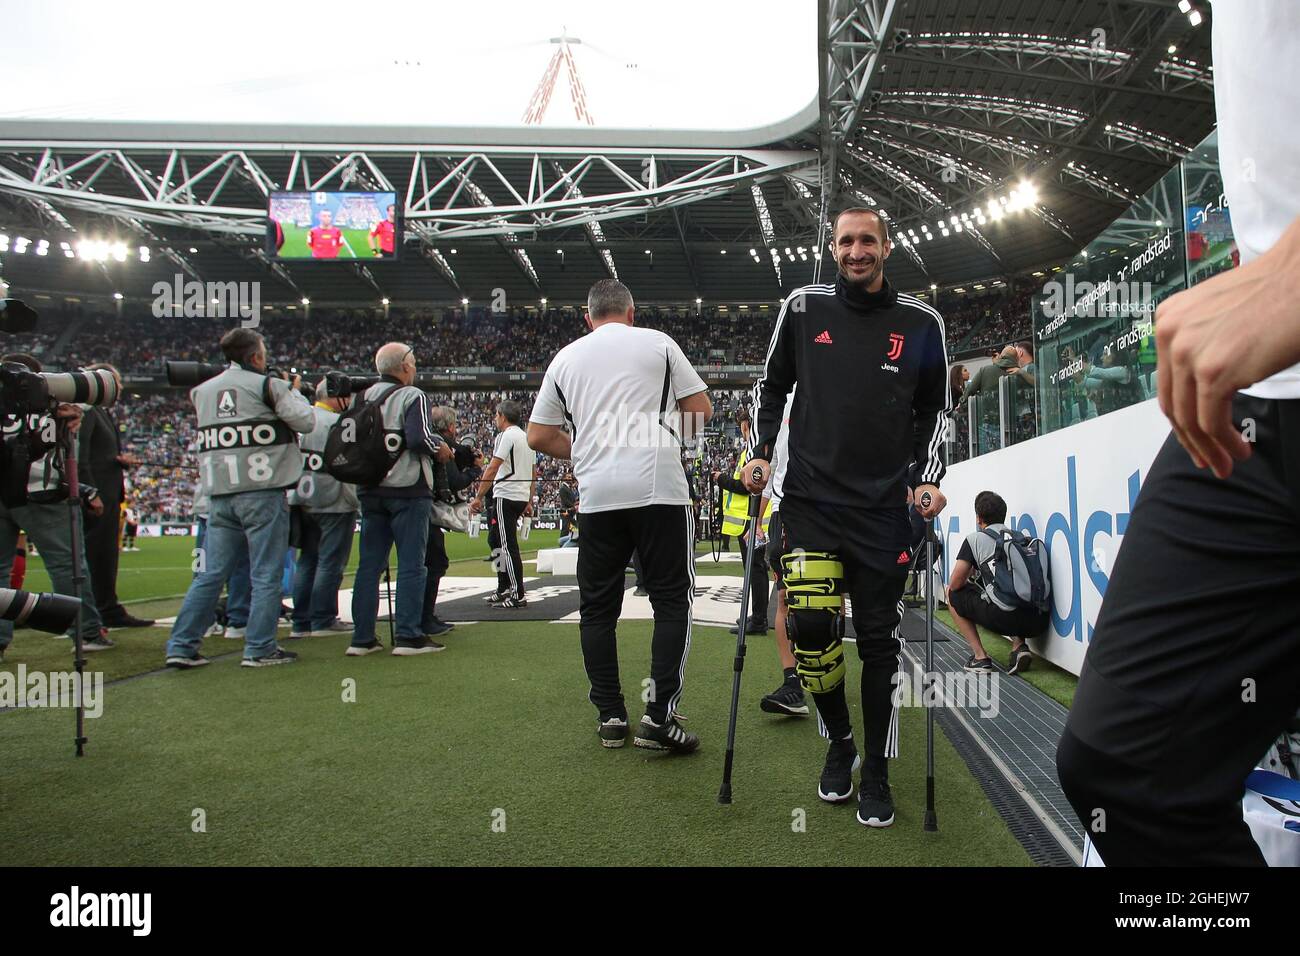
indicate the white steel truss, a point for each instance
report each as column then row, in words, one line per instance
column 449, row 191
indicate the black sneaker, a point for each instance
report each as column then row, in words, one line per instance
column 641, row 592
column 666, row 736
column 787, row 699
column 436, row 629
column 422, row 646
column 511, row 602
column 753, row 627
column 613, row 732
column 875, row 804
column 361, row 650
column 277, row 656
column 1021, row 658
column 836, row 784
column 981, row 665
column 183, row 663
column 126, row 620
column 101, row 643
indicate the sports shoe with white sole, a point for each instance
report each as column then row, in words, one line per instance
column 361, row 650
column 836, row 784
column 788, row 699
column 338, row 627
column 875, row 804
column 181, row 662
column 613, row 732
column 234, row 633
column 1021, row 658
column 277, row 656
column 296, row 634
column 423, row 646
column 666, row 736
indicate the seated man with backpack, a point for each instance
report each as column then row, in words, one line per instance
column 1000, row 581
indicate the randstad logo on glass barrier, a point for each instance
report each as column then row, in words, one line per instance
column 1088, row 557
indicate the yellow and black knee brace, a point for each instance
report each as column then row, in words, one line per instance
column 814, row 582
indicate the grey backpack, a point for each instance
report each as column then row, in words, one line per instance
column 1018, row 572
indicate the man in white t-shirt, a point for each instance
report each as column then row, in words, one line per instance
column 512, row 475
column 1193, row 668
column 619, row 402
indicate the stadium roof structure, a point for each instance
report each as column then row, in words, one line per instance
column 998, row 136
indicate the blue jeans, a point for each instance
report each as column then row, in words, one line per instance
column 48, row 527
column 258, row 523
column 321, row 561
column 384, row 521
column 239, row 589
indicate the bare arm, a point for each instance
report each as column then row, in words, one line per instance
column 696, row 410
column 961, row 570
column 550, row 440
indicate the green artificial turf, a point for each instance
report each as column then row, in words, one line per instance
column 436, row 750
column 1055, row 682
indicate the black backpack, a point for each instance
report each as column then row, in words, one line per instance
column 356, row 449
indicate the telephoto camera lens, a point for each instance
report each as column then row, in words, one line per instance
column 53, row 613
column 97, row 387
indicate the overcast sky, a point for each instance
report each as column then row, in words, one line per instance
column 674, row 64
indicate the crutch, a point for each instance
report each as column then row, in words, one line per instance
column 388, row 589
column 755, row 502
column 931, row 823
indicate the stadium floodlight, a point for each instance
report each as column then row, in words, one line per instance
column 957, row 227
column 933, row 286
column 464, row 301
column 543, row 302
column 1173, row 48
column 647, row 252
column 753, row 252
column 1194, row 18
column 698, row 300
column 384, row 300
column 118, row 296
column 306, row 301
column 119, row 251
column 192, row 249
column 453, row 252
column 1185, row 6
column 724, row 252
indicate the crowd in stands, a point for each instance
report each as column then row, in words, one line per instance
column 515, row 339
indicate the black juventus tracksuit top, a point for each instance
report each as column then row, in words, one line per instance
column 868, row 417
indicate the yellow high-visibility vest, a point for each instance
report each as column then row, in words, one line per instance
column 735, row 507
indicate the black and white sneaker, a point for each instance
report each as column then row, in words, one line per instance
column 511, row 602
column 666, row 736
column 836, row 784
column 361, row 650
column 1021, row 658
column 422, row 646
column 183, row 663
column 787, row 699
column 613, row 732
column 101, row 643
column 875, row 804
column 278, row 656
column 495, row 598
column 979, row 665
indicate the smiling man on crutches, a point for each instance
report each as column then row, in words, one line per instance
column 866, row 433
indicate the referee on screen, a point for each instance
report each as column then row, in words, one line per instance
column 628, row 397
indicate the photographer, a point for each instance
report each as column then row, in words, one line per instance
column 248, row 456
column 327, row 509
column 461, row 472
column 397, row 509
column 39, row 507
column 102, row 465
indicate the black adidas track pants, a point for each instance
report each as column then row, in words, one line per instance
column 1194, row 667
